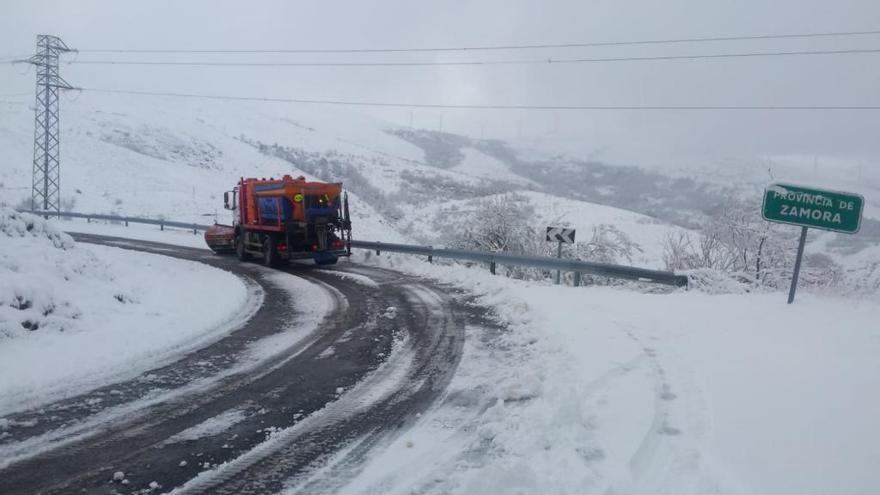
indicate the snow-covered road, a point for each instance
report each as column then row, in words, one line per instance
column 331, row 362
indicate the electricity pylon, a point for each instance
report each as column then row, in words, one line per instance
column 46, row 190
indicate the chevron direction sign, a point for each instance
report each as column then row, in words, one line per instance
column 559, row 234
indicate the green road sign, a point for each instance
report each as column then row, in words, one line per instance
column 828, row 210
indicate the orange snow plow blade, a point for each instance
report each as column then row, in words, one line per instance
column 220, row 238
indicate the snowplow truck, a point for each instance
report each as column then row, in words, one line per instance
column 285, row 219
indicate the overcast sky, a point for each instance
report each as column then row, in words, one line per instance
column 616, row 135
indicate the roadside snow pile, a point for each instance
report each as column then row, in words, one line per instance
column 715, row 282
column 15, row 224
column 76, row 315
column 32, row 255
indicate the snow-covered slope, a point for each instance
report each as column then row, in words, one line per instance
column 175, row 158
column 480, row 165
column 72, row 315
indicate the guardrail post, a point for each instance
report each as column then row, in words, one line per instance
column 558, row 255
column 577, row 279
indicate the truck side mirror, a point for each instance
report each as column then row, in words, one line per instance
column 226, row 200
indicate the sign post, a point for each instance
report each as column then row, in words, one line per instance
column 558, row 255
column 560, row 235
column 797, row 265
column 811, row 208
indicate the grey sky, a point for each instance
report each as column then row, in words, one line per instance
column 641, row 136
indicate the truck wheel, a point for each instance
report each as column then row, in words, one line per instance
column 270, row 255
column 239, row 248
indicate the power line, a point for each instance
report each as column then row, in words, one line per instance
column 501, row 47
column 547, row 61
column 486, row 107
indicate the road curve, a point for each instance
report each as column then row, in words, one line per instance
column 384, row 354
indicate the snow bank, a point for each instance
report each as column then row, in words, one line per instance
column 25, row 303
column 74, row 316
column 135, row 231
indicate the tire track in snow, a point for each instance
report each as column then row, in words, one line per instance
column 153, row 406
column 668, row 459
column 297, row 411
column 409, row 383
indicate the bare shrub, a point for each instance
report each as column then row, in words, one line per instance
column 740, row 244
column 607, row 244
column 500, row 224
column 863, row 278
column 819, row 270
column 704, row 250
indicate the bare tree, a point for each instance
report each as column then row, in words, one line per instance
column 500, row 224
column 738, row 242
column 607, row 244
column 690, row 251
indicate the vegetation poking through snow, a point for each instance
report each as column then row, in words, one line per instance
column 505, row 223
column 737, row 242
column 737, row 250
column 441, row 149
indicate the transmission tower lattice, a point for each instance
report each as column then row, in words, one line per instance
column 46, row 191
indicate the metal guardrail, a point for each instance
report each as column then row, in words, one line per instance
column 195, row 227
column 578, row 267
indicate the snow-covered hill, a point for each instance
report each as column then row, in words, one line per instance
column 169, row 159
column 173, row 158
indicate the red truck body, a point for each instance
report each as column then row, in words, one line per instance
column 284, row 219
